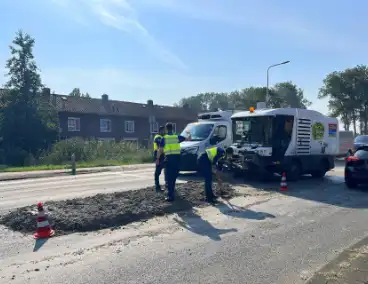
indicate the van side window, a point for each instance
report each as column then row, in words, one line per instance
column 221, row 132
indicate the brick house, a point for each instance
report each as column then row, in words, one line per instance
column 106, row 119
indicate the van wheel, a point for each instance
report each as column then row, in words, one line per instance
column 321, row 172
column 294, row 171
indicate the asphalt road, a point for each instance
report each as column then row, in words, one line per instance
column 30, row 191
column 264, row 237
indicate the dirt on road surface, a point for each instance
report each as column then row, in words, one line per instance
column 112, row 210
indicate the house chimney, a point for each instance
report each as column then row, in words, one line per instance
column 150, row 103
column 53, row 100
column 104, row 98
column 46, row 92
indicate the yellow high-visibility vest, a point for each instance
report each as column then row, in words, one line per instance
column 172, row 145
column 211, row 153
column 155, row 146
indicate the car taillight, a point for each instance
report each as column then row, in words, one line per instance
column 352, row 159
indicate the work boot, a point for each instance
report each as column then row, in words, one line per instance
column 212, row 199
column 159, row 189
column 169, row 199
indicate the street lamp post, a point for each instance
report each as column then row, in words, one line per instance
column 268, row 77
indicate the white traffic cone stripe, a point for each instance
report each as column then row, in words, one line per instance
column 43, row 224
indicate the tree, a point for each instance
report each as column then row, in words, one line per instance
column 348, row 96
column 282, row 94
column 206, row 102
column 77, row 93
column 288, row 94
column 28, row 124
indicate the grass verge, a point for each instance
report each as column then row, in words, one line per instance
column 112, row 210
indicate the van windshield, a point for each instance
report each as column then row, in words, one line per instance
column 198, row 131
column 253, row 130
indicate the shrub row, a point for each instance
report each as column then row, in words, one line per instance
column 93, row 150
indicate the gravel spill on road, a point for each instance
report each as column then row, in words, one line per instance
column 112, row 210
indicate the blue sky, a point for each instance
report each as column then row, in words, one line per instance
column 167, row 49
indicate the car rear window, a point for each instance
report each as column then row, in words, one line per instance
column 361, row 154
column 361, row 139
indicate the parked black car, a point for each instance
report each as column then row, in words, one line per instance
column 356, row 168
column 360, row 141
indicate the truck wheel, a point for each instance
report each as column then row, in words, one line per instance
column 294, row 171
column 248, row 175
column 238, row 174
column 265, row 177
column 320, row 173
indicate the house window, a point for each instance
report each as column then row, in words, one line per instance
column 129, row 126
column 73, row 124
column 154, row 127
column 105, row 139
column 105, row 125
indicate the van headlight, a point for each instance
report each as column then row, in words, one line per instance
column 191, row 150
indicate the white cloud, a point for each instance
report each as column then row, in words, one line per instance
column 120, row 15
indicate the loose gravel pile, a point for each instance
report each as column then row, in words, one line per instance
column 112, row 210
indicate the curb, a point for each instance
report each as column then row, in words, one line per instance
column 320, row 278
column 33, row 175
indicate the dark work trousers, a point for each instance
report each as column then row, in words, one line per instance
column 172, row 172
column 205, row 167
column 161, row 166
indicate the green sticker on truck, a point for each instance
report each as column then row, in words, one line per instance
column 318, row 131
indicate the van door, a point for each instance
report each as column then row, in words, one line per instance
column 220, row 136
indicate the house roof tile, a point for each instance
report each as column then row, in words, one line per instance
column 123, row 108
column 113, row 107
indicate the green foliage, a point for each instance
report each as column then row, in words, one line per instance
column 27, row 123
column 348, row 96
column 77, row 93
column 280, row 95
column 123, row 152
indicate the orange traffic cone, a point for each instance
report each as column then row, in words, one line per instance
column 44, row 229
column 283, row 184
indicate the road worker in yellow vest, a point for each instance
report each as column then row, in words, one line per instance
column 212, row 157
column 161, row 165
column 170, row 147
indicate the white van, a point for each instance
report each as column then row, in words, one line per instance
column 212, row 128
